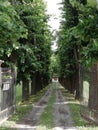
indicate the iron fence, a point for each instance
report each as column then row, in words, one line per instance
column 7, row 104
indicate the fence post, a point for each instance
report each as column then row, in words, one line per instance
column 0, row 82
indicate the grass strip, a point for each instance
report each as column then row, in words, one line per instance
column 74, row 105
column 47, row 118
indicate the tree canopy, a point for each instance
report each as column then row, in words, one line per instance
column 26, row 41
column 77, row 39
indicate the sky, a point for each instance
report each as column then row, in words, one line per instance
column 53, row 9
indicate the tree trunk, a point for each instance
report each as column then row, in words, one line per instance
column 77, row 94
column 25, row 89
column 36, row 84
column 81, row 80
column 76, row 54
column 33, row 84
column 12, row 2
column 72, row 84
column 93, row 90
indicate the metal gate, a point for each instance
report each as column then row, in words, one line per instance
column 7, row 102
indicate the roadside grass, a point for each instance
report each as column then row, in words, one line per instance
column 20, row 111
column 47, row 118
column 22, row 107
column 74, row 106
column 18, row 93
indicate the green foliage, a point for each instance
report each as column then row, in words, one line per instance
column 24, row 36
column 92, row 2
column 86, row 34
column 54, row 66
column 77, row 38
column 66, row 41
column 31, row 58
column 66, row 55
column 27, row 62
column 12, row 29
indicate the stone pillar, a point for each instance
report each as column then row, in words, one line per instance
column 0, row 82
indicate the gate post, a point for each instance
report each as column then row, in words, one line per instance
column 0, row 83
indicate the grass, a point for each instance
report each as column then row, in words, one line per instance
column 74, row 105
column 20, row 111
column 23, row 107
column 18, row 93
column 47, row 118
column 92, row 2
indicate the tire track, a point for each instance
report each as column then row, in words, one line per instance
column 62, row 114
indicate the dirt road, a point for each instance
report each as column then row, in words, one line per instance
column 61, row 113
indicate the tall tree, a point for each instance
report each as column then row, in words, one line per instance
column 70, row 19
column 12, row 29
column 34, row 64
column 24, row 36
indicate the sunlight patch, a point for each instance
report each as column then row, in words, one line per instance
column 43, row 128
column 11, row 124
column 88, row 128
column 59, row 128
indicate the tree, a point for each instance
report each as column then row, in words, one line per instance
column 69, row 47
column 86, row 32
column 12, row 29
column 24, row 35
column 34, row 64
column 69, row 20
